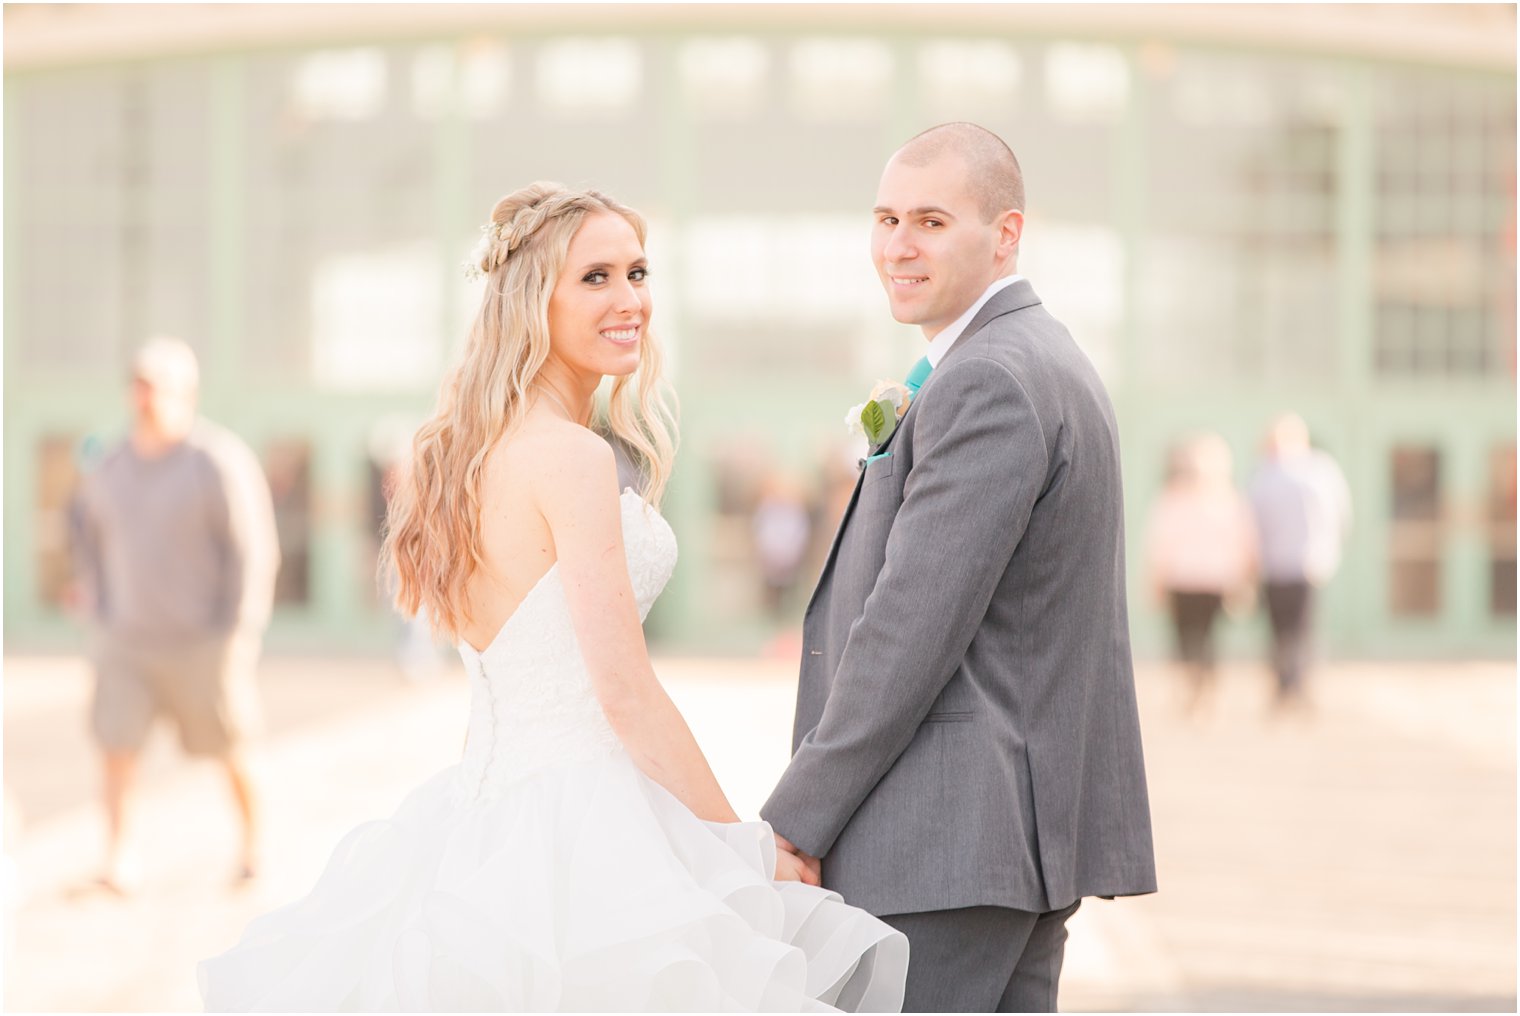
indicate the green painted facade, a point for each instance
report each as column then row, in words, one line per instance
column 1228, row 233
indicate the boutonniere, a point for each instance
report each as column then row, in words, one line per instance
column 877, row 417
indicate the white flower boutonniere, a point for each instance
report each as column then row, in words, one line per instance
column 877, row 417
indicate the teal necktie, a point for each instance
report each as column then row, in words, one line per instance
column 919, row 374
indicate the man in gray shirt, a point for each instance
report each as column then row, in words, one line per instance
column 1303, row 510
column 176, row 551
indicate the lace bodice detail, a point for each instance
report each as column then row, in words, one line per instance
column 531, row 700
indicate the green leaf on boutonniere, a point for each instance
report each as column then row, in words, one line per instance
column 878, row 419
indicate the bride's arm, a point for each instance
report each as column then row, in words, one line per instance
column 578, row 495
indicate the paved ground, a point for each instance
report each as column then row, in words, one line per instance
column 1362, row 860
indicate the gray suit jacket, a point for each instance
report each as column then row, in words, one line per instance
column 966, row 730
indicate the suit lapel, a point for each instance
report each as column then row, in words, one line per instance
column 860, row 476
column 1015, row 297
column 828, row 562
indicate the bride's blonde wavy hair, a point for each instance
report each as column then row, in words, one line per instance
column 432, row 537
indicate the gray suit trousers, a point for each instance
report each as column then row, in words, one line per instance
column 983, row 959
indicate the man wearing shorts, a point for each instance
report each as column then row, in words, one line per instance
column 177, row 553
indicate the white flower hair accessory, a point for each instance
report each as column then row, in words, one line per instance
column 491, row 236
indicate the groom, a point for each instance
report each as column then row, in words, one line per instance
column 967, row 749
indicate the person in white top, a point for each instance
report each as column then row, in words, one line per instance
column 1200, row 554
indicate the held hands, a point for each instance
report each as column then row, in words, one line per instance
column 792, row 865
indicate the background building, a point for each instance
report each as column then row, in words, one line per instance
column 1236, row 209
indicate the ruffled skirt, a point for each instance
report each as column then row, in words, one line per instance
column 581, row 888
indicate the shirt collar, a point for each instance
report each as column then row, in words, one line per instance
column 941, row 343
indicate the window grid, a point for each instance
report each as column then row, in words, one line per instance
column 1444, row 205
column 1240, row 264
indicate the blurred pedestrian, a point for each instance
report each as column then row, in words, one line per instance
column 1303, row 512
column 177, row 552
column 781, row 528
column 1201, row 554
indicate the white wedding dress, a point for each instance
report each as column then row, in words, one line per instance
column 546, row 872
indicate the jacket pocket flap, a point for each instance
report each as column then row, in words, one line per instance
column 963, row 716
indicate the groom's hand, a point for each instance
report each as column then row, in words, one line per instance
column 809, row 868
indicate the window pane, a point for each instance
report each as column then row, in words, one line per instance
column 841, row 78
column 1240, row 276
column 1416, row 534
column 545, row 134
column 1080, row 273
column 115, row 169
column 1086, row 83
column 1444, row 201
column 1501, row 529
column 339, row 85
column 323, row 255
column 1416, row 484
column 724, row 78
column 968, row 79
column 589, row 77
column 363, row 342
column 474, row 77
column 778, row 291
column 1415, row 589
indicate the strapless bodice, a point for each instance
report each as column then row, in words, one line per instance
column 531, row 700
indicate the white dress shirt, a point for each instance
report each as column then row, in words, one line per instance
column 941, row 343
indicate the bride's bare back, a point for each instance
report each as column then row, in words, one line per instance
column 516, row 540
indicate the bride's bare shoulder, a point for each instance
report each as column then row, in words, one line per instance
column 556, row 459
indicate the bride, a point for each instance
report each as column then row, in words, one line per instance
column 581, row 855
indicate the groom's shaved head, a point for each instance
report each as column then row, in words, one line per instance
column 992, row 171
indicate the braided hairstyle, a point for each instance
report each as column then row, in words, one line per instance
column 432, row 537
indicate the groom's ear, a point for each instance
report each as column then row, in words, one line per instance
column 1010, row 230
